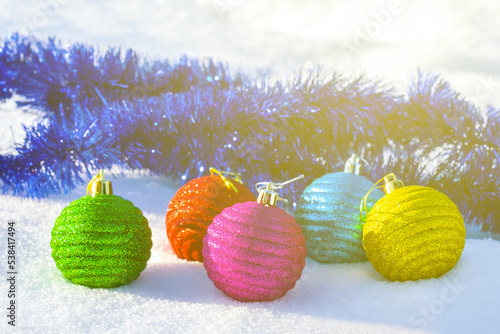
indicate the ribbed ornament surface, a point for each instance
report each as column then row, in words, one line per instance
column 414, row 233
column 328, row 212
column 254, row 252
column 101, row 242
column 193, row 208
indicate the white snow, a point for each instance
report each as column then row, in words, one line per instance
column 176, row 296
column 459, row 39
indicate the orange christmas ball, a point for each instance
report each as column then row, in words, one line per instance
column 193, row 208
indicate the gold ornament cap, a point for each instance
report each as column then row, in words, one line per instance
column 392, row 183
column 235, row 176
column 353, row 165
column 99, row 186
column 267, row 195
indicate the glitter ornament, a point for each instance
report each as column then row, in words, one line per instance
column 413, row 232
column 101, row 240
column 194, row 206
column 255, row 251
column 328, row 212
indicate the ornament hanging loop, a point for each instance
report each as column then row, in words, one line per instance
column 391, row 183
column 235, row 176
column 353, row 165
column 99, row 186
column 272, row 186
column 267, row 195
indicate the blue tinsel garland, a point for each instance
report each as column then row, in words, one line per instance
column 113, row 108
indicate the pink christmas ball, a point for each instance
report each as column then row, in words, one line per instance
column 254, row 252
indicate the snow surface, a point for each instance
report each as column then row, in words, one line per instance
column 176, row 296
column 460, row 39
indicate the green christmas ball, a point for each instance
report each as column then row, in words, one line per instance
column 101, row 242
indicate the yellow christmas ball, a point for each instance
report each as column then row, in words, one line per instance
column 413, row 233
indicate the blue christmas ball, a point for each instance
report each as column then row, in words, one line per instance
column 328, row 212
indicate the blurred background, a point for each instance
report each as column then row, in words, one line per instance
column 385, row 39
